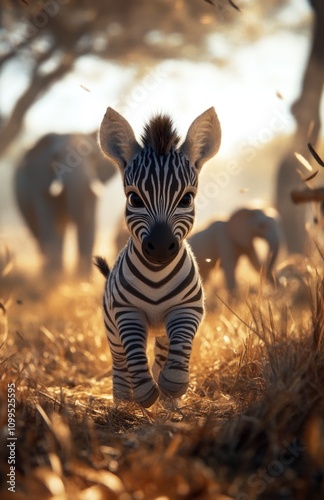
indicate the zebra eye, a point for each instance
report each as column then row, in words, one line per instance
column 186, row 201
column 135, row 200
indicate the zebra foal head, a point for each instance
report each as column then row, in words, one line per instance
column 160, row 178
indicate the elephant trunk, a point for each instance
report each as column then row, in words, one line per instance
column 273, row 239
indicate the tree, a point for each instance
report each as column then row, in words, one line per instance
column 61, row 31
column 306, row 110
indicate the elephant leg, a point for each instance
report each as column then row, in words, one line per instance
column 85, row 223
column 50, row 234
column 86, row 238
column 40, row 212
column 25, row 202
column 28, row 213
column 228, row 262
column 230, row 278
column 254, row 259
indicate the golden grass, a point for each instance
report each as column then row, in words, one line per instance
column 251, row 425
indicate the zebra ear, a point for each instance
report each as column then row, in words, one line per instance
column 117, row 139
column 203, row 138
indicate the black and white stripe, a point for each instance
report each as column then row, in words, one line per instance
column 154, row 286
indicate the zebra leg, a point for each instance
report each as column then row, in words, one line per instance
column 122, row 386
column 181, row 328
column 133, row 334
column 161, row 349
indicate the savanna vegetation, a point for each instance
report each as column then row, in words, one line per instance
column 251, row 425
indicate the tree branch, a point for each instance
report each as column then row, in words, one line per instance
column 38, row 85
column 307, row 195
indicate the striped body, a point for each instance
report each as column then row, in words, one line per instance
column 157, row 300
column 154, row 286
column 154, row 290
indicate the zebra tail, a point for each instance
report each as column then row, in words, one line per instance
column 101, row 264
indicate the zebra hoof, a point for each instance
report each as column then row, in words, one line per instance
column 123, row 397
column 150, row 400
column 172, row 389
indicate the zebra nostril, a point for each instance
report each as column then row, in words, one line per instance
column 160, row 245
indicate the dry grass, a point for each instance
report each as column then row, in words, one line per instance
column 250, row 427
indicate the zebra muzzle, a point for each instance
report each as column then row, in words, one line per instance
column 160, row 246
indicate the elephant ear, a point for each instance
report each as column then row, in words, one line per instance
column 203, row 138
column 117, row 139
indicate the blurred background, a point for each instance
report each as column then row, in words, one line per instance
column 64, row 61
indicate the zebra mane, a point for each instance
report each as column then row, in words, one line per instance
column 160, row 134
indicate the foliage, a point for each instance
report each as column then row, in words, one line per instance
column 49, row 36
column 250, row 427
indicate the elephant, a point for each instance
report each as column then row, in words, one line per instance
column 57, row 182
column 226, row 241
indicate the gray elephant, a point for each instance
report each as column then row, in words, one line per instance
column 56, row 183
column 227, row 241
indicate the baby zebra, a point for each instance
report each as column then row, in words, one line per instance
column 155, row 285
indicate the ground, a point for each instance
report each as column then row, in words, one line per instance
column 251, row 425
